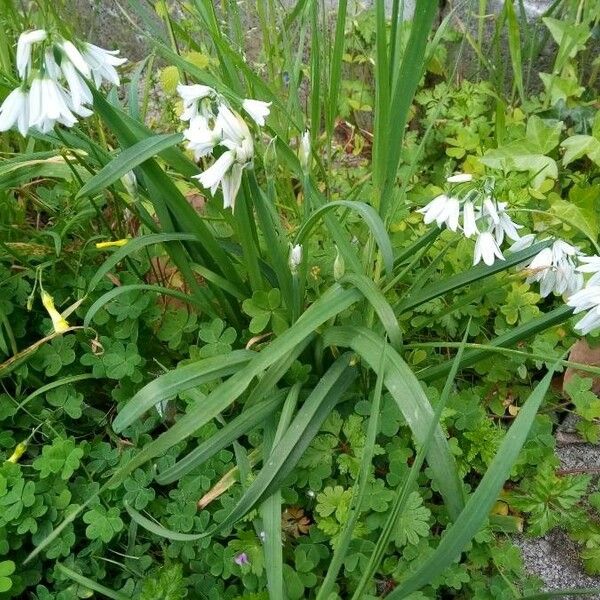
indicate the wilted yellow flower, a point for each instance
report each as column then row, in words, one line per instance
column 60, row 324
column 112, row 244
column 16, row 455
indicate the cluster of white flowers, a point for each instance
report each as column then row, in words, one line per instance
column 476, row 214
column 213, row 123
column 558, row 268
column 55, row 76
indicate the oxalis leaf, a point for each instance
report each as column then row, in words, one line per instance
column 478, row 507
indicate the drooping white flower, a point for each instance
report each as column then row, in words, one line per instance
column 587, row 299
column 72, row 54
column 80, row 92
column 304, row 151
column 460, row 178
column 257, row 109
column 192, row 96
column 15, row 111
column 212, row 123
column 212, row 177
column 295, row 257
column 442, row 209
column 486, row 249
column 555, row 270
column 201, row 137
column 489, row 209
column 24, row 45
column 102, row 64
column 591, row 265
column 51, row 68
column 469, row 220
column 230, row 185
column 234, row 128
column 505, row 225
column 48, row 104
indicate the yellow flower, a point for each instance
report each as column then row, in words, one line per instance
column 16, row 455
column 60, row 324
column 114, row 244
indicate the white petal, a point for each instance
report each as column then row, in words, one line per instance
column 35, row 102
column 230, row 185
column 453, row 211
column 80, row 93
column 12, row 108
column 234, row 127
column 523, row 242
column 460, row 178
column 257, row 109
column 542, row 260
column 76, row 58
column 215, row 173
column 590, row 322
column 469, row 221
column 490, row 210
column 433, row 209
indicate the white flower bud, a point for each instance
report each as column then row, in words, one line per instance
column 339, row 266
column 295, row 257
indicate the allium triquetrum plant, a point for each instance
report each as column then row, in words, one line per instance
column 263, row 164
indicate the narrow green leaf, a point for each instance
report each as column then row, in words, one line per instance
column 405, row 489
column 404, row 90
column 270, row 509
column 132, row 246
column 54, row 384
column 332, row 302
column 555, row 317
column 335, row 71
column 124, row 289
column 179, row 380
column 127, row 160
column 358, row 491
column 294, row 442
column 241, row 425
column 514, row 46
column 381, row 306
column 474, row 274
column 90, row 584
column 159, row 530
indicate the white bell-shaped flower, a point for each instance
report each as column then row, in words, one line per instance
column 24, row 45
column 486, row 249
column 15, row 111
column 257, row 109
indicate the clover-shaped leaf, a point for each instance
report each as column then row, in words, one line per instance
column 103, row 524
column 60, row 457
